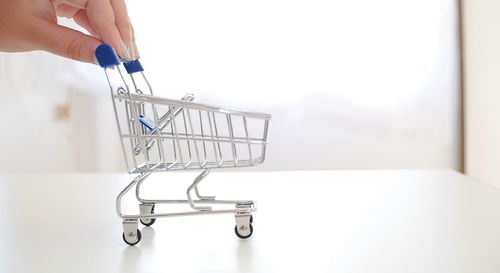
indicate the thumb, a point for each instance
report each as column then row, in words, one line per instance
column 65, row 42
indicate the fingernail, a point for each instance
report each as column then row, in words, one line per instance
column 124, row 51
column 137, row 55
column 131, row 50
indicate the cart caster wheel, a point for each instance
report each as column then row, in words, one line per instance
column 132, row 240
column 243, row 232
column 150, row 221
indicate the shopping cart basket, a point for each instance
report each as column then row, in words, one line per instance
column 160, row 135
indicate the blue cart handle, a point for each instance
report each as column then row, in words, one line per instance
column 107, row 57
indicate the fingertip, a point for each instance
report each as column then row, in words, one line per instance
column 131, row 50
column 83, row 50
column 123, row 51
column 136, row 50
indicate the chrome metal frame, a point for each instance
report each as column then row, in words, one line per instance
column 201, row 145
column 243, row 206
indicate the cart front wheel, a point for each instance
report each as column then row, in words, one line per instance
column 243, row 232
column 132, row 239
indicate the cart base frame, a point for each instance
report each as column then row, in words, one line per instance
column 200, row 205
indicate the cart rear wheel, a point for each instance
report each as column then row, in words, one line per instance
column 150, row 221
column 245, row 234
column 132, row 240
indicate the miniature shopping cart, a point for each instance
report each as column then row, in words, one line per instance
column 160, row 135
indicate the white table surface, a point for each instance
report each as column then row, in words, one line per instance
column 344, row 221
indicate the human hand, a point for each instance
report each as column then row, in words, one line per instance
column 27, row 25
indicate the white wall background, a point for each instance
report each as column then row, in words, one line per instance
column 350, row 84
column 481, row 34
column 30, row 138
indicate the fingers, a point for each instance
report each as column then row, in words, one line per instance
column 103, row 18
column 124, row 26
column 65, row 10
column 82, row 19
column 136, row 50
column 64, row 41
column 68, row 8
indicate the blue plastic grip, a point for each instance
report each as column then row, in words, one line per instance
column 133, row 66
column 106, row 56
column 146, row 122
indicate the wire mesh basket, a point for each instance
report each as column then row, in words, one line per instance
column 160, row 134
